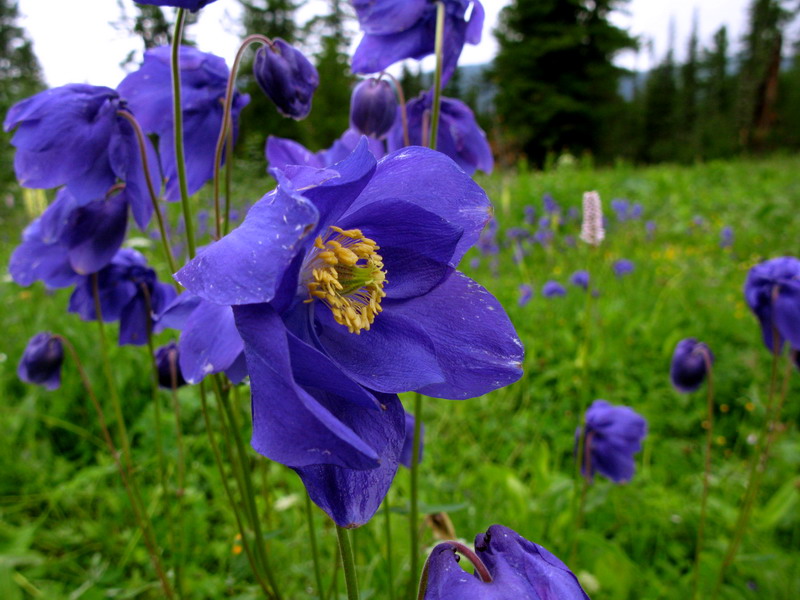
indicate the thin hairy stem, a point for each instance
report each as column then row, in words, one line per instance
column 437, row 79
column 348, row 562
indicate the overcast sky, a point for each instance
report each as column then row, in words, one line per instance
column 88, row 49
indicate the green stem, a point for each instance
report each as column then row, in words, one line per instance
column 387, row 514
column 437, row 79
column 413, row 513
column 706, row 470
column 181, row 491
column 177, row 115
column 228, row 178
column 584, row 450
column 348, row 563
column 312, row 538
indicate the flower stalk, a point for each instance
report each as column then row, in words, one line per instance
column 312, row 539
column 413, row 512
column 437, row 80
column 348, row 562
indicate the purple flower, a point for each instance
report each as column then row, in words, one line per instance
column 127, row 287
column 622, row 267
column 613, row 435
column 396, row 30
column 41, row 361
column 193, row 5
column 74, row 135
column 580, row 279
column 406, row 454
column 282, row 152
column 516, row 233
column 544, row 222
column 519, row 569
column 330, row 340
column 689, row 368
column 573, row 214
column 636, row 211
column 525, row 294
column 726, row 237
column 287, row 77
column 772, row 291
column 459, row 136
column 552, row 289
column 148, row 92
column 487, row 241
column 530, row 215
column 373, row 107
column 550, row 204
column 169, row 370
column 650, row 228
column 621, row 209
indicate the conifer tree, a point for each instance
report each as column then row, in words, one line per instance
column 717, row 125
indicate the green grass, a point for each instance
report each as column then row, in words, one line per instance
column 66, row 529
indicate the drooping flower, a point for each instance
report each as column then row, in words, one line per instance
column 282, row 152
column 76, row 135
column 459, row 135
column 287, row 77
column 337, row 291
column 772, row 291
column 622, row 267
column 613, row 434
column 192, row 5
column 689, row 366
column 169, row 370
column 373, row 107
column 551, row 289
column 129, row 292
column 148, row 92
column 525, row 294
column 592, row 229
column 517, row 568
column 395, row 30
column 580, row 279
column 41, row 362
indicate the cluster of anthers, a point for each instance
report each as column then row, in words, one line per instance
column 346, row 274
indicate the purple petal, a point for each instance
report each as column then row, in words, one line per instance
column 95, row 233
column 382, row 17
column 209, row 342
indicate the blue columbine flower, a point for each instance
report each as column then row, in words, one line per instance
column 75, row 135
column 337, row 292
column 373, row 107
column 41, row 361
column 459, row 136
column 690, row 365
column 167, row 364
column 613, row 435
column 580, row 279
column 282, row 152
column 519, row 569
column 772, row 291
column 551, row 289
column 396, row 30
column 622, row 267
column 287, row 77
column 126, row 288
column 193, row 5
column 148, row 92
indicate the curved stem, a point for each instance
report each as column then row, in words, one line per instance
column 706, row 468
column 151, row 190
column 177, row 114
column 348, row 562
column 413, row 513
column 437, row 80
column 467, row 553
column 228, row 178
column 226, row 121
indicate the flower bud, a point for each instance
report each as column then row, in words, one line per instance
column 169, row 371
column 41, row 361
column 287, row 77
column 373, row 107
column 689, row 367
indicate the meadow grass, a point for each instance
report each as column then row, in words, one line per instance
column 66, row 529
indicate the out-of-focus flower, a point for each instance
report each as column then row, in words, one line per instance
column 516, row 569
column 516, row 233
column 525, row 294
column 592, row 230
column 169, row 371
column 689, row 366
column 41, row 361
column 621, row 208
column 373, row 107
column 551, row 289
column 396, row 30
column 148, row 92
column 287, row 77
column 459, row 135
column 282, row 152
column 726, row 237
column 330, row 340
column 127, row 288
column 613, row 434
column 580, row 279
column 487, row 241
column 406, row 454
column 622, row 267
column 530, row 215
column 650, row 228
column 636, row 211
column 772, row 291
column 550, row 204
column 193, row 5
column 75, row 135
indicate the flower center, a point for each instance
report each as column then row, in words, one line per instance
column 346, row 273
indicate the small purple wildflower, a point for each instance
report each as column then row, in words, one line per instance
column 613, row 435
column 726, row 237
column 650, row 228
column 580, row 279
column 525, row 294
column 622, row 267
column 551, row 289
column 169, row 370
column 550, row 205
column 689, row 368
column 530, row 214
column 41, row 362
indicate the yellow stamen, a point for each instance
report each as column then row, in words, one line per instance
column 346, row 273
